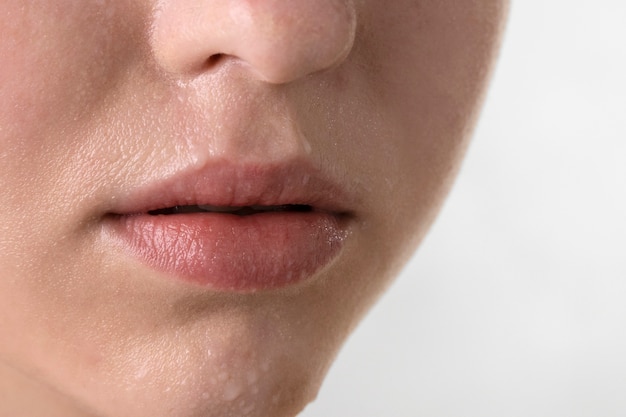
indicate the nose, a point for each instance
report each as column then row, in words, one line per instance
column 279, row 41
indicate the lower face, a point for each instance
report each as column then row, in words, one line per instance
column 114, row 303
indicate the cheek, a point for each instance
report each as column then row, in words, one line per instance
column 58, row 58
column 422, row 72
column 56, row 64
column 433, row 86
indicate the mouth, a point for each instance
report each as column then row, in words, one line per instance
column 233, row 228
column 237, row 211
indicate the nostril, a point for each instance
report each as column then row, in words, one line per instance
column 213, row 60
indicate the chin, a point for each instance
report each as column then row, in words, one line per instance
column 256, row 355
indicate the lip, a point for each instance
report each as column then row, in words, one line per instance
column 230, row 252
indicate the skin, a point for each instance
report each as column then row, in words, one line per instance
column 100, row 96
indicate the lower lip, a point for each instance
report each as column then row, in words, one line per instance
column 234, row 253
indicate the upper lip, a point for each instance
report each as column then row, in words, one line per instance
column 227, row 184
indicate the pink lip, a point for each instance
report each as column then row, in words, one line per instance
column 230, row 252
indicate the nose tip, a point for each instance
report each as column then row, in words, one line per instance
column 279, row 41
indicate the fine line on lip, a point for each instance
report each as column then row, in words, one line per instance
column 227, row 253
column 224, row 184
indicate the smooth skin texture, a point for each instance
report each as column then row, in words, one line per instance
column 98, row 97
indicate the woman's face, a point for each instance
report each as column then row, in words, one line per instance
column 201, row 198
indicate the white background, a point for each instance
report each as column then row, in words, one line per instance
column 515, row 305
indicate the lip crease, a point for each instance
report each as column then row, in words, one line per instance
column 267, row 226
